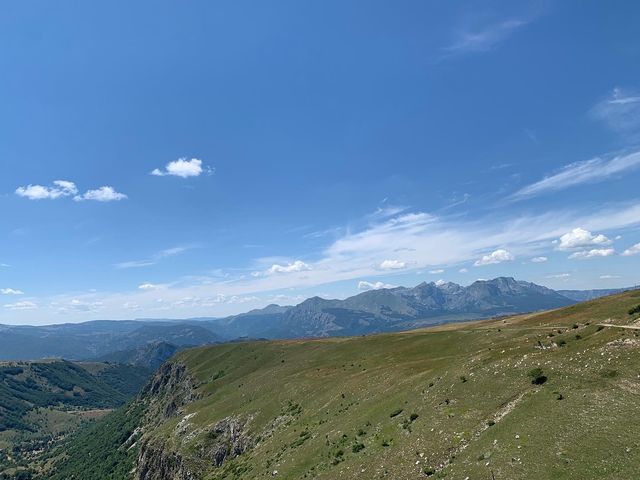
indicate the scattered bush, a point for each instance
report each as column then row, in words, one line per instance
column 357, row 447
column 537, row 376
column 395, row 413
column 413, row 417
column 463, row 379
column 634, row 310
column 609, row 373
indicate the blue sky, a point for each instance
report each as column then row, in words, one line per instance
column 165, row 160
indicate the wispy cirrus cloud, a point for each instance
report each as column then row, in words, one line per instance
column 169, row 252
column 419, row 240
column 484, row 38
column 620, row 111
column 26, row 305
column 587, row 171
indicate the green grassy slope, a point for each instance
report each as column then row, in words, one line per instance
column 454, row 402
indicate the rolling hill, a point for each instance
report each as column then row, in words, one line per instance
column 548, row 395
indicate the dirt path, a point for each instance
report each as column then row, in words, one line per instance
column 628, row 327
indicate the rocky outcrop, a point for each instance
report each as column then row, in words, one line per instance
column 156, row 462
column 228, row 439
column 170, row 389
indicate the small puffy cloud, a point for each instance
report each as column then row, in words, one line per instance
column 608, row 277
column 21, row 306
column 539, row 259
column 392, row 265
column 579, row 237
column 463, row 270
column 148, row 286
column 499, row 256
column 297, row 266
column 183, row 168
column 365, row 286
column 594, row 253
column 440, row 282
column 559, row 275
column 59, row 189
column 436, row 272
column 11, row 291
column 102, row 194
column 634, row 250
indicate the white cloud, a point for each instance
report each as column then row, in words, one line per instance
column 579, row 237
column 484, row 39
column 11, row 291
column 365, row 286
column 65, row 188
column 392, row 265
column 297, row 266
column 436, row 272
column 420, row 240
column 588, row 171
column 148, row 286
column 463, row 270
column 559, row 275
column 608, row 277
column 169, row 252
column 539, row 259
column 633, row 250
column 21, row 306
column 620, row 111
column 596, row 252
column 499, row 256
column 59, row 189
column 102, row 194
column 183, row 168
column 440, row 282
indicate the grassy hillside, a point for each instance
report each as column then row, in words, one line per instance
column 540, row 396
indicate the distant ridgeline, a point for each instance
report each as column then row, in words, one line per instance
column 375, row 311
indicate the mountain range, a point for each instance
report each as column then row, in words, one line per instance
column 374, row 311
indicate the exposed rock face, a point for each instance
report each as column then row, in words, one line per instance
column 155, row 462
column 170, row 389
column 229, row 439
